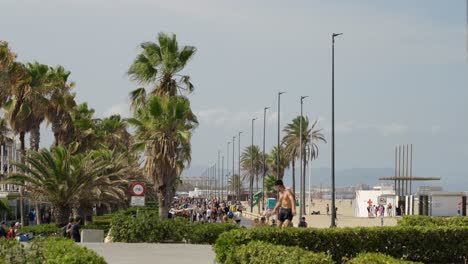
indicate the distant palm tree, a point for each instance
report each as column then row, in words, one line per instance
column 292, row 141
column 159, row 64
column 251, row 164
column 269, row 184
column 272, row 160
column 234, row 182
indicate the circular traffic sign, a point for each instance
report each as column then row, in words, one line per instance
column 138, row 189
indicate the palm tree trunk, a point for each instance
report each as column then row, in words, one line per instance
column 61, row 214
column 23, row 153
column 294, row 177
column 38, row 213
column 35, row 138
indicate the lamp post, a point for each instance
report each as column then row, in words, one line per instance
column 227, row 170
column 264, row 163
column 278, row 150
column 252, row 172
column 239, row 187
column 302, row 198
column 333, row 214
column 222, row 177
column 233, row 171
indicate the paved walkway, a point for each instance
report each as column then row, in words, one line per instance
column 142, row 253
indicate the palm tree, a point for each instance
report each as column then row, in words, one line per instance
column 60, row 106
column 163, row 127
column 292, row 141
column 272, row 161
column 115, row 133
column 269, row 184
column 159, row 64
column 63, row 178
column 12, row 73
column 234, row 182
column 251, row 164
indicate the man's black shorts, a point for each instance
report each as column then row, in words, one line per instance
column 285, row 214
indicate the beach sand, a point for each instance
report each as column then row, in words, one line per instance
column 345, row 216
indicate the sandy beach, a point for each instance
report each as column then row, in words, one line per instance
column 345, row 216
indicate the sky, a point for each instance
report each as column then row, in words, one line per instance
column 401, row 71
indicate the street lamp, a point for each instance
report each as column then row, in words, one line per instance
column 302, row 198
column 252, row 172
column 278, row 150
column 333, row 214
column 264, row 163
column 233, row 171
column 227, row 170
column 238, row 166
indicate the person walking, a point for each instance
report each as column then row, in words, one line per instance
column 3, row 232
column 328, row 209
column 75, row 230
column 285, row 207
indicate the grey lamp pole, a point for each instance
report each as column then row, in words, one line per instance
column 219, row 175
column 233, row 171
column 264, row 164
column 222, row 177
column 333, row 214
column 252, row 172
column 227, row 170
column 302, row 198
column 238, row 166
column 278, row 150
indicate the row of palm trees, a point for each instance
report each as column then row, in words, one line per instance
column 252, row 160
column 91, row 161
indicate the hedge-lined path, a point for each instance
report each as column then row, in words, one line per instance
column 142, row 253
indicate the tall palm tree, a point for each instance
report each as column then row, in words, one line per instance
column 60, row 106
column 63, row 178
column 115, row 133
column 272, row 161
column 164, row 126
column 159, row 64
column 292, row 141
column 251, row 164
column 12, row 73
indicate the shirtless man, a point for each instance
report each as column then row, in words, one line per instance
column 286, row 206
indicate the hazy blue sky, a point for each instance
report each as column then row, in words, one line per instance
column 401, row 68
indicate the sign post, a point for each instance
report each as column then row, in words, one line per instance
column 138, row 191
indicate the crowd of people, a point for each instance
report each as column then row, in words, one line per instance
column 9, row 232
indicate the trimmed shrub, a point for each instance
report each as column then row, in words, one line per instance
column 41, row 230
column 430, row 221
column 260, row 252
column 429, row 245
column 148, row 228
column 61, row 250
column 47, row 250
column 377, row 258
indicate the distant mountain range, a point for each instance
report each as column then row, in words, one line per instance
column 451, row 181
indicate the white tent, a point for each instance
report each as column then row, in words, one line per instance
column 364, row 196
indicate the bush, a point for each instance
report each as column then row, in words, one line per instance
column 41, row 230
column 148, row 228
column 377, row 258
column 260, row 252
column 433, row 245
column 47, row 250
column 429, row 221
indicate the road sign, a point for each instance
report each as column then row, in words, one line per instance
column 137, row 201
column 382, row 200
column 138, row 189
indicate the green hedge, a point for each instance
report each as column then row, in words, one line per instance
column 257, row 252
column 47, row 250
column 377, row 258
column 433, row 245
column 429, row 221
column 41, row 230
column 148, row 228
